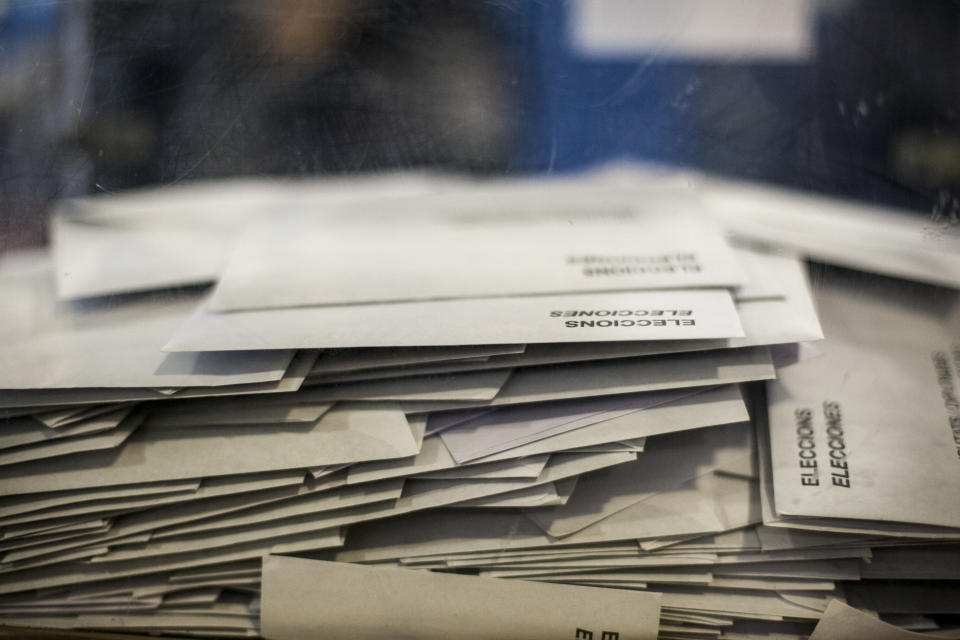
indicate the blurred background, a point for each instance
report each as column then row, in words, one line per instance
column 851, row 98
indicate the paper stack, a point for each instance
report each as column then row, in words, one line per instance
column 537, row 382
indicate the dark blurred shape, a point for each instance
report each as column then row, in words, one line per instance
column 110, row 94
column 43, row 73
column 206, row 89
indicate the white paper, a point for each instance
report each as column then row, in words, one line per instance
column 344, row 434
column 350, row 601
column 449, row 256
column 641, row 315
column 877, row 411
column 46, row 345
column 511, row 427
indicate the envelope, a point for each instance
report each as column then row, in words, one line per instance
column 843, row 621
column 145, row 239
column 417, row 495
column 207, row 489
column 217, row 495
column 474, row 386
column 447, row 256
column 186, row 543
column 788, row 318
column 344, row 434
column 530, row 467
column 557, row 551
column 555, row 493
column 243, row 410
column 13, row 505
column 838, row 443
column 80, row 573
column 428, row 605
column 720, row 405
column 510, row 427
column 865, row 237
column 611, row 377
column 746, row 604
column 104, row 440
column 26, row 430
column 115, row 344
column 668, row 461
column 335, row 361
column 65, row 416
column 578, row 317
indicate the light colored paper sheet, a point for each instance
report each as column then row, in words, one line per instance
column 449, row 257
column 24, row 430
column 145, row 239
column 890, row 359
column 642, row 315
column 544, row 495
column 632, row 375
column 107, row 440
column 511, row 427
column 667, row 461
column 337, row 361
column 417, row 495
column 242, row 410
column 713, row 406
column 530, row 467
column 474, row 386
column 425, row 605
column 766, row 321
column 48, row 345
column 869, row 238
column 843, row 621
column 344, row 434
column 14, row 505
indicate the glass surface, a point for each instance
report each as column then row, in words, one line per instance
column 351, row 170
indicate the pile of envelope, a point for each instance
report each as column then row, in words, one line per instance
column 608, row 391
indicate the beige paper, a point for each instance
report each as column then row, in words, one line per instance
column 670, row 314
column 350, row 601
column 337, row 361
column 114, row 344
column 417, row 495
column 843, row 621
column 12, row 506
column 344, row 434
column 25, row 430
column 628, row 375
column 446, row 256
column 667, row 461
column 482, row 386
column 110, row 439
column 838, row 443
column 540, row 496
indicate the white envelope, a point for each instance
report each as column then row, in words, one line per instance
column 145, row 239
column 45, row 345
column 661, row 244
column 344, row 434
column 866, row 237
column 373, row 603
column 584, row 317
column 765, row 321
column 714, row 406
column 623, row 375
column 870, row 429
column 511, row 427
column 16, row 432
column 843, row 621
column 667, row 461
column 338, row 361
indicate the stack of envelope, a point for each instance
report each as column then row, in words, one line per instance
column 563, row 385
